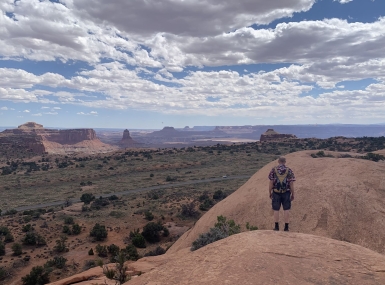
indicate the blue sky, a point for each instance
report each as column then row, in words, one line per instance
column 150, row 64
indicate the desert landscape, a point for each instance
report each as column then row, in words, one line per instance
column 68, row 214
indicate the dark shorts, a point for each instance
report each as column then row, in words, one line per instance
column 279, row 199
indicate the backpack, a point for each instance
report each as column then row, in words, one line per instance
column 282, row 181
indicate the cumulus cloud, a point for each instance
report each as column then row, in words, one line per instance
column 188, row 17
column 4, row 108
column 26, row 111
column 37, row 115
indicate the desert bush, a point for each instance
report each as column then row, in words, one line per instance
column 373, row 157
column 219, row 195
column 8, row 238
column 151, row 232
column 113, row 249
column 91, row 252
column 61, row 244
column 189, row 211
column 131, row 252
column 108, row 272
column 251, row 228
column 29, row 238
column 89, row 264
column 2, row 248
column 99, row 232
column 4, row 273
column 68, row 220
column 66, row 229
column 17, row 249
column 213, row 235
column 76, row 229
column 222, row 229
column 148, row 216
column 99, row 203
column 27, row 228
column 58, row 262
column 206, row 205
column 37, row 276
column 40, row 240
column 138, row 240
column 4, row 231
column 87, row 198
column 157, row 251
column 113, row 198
column 101, row 250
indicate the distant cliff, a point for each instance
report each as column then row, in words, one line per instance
column 127, row 140
column 271, row 135
column 39, row 140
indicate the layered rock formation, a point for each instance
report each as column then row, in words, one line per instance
column 340, row 198
column 256, row 258
column 127, row 140
column 35, row 137
column 271, row 135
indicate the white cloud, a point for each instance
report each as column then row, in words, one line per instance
column 343, row 1
column 37, row 115
column 56, row 108
column 26, row 111
column 45, row 107
column 93, row 112
column 51, row 113
column 4, row 108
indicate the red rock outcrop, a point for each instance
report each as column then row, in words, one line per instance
column 271, row 135
column 127, row 140
column 35, row 137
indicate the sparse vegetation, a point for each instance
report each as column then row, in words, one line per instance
column 222, row 229
column 99, row 232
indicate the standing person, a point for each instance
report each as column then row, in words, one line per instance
column 281, row 191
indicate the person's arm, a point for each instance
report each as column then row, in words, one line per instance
column 271, row 184
column 292, row 190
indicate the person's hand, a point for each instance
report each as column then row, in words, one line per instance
column 291, row 197
column 271, row 195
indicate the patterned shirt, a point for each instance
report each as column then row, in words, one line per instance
column 281, row 170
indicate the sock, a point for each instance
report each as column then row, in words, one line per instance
column 286, row 226
column 277, row 226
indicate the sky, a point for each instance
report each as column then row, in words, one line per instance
column 150, row 63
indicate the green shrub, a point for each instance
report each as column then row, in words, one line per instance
column 222, row 229
column 4, row 231
column 131, row 252
column 58, row 262
column 76, row 229
column 157, row 251
column 37, row 276
column 113, row 249
column 61, row 244
column 29, row 238
column 66, row 230
column 91, row 252
column 219, row 195
column 2, row 248
column 27, row 228
column 188, row 210
column 148, row 216
column 87, row 198
column 17, row 249
column 251, row 228
column 138, row 240
column 151, row 232
column 99, row 232
column 101, row 250
column 206, row 205
column 8, row 238
column 213, row 235
column 4, row 273
column 68, row 220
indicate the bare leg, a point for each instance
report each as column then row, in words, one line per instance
column 286, row 215
column 276, row 216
